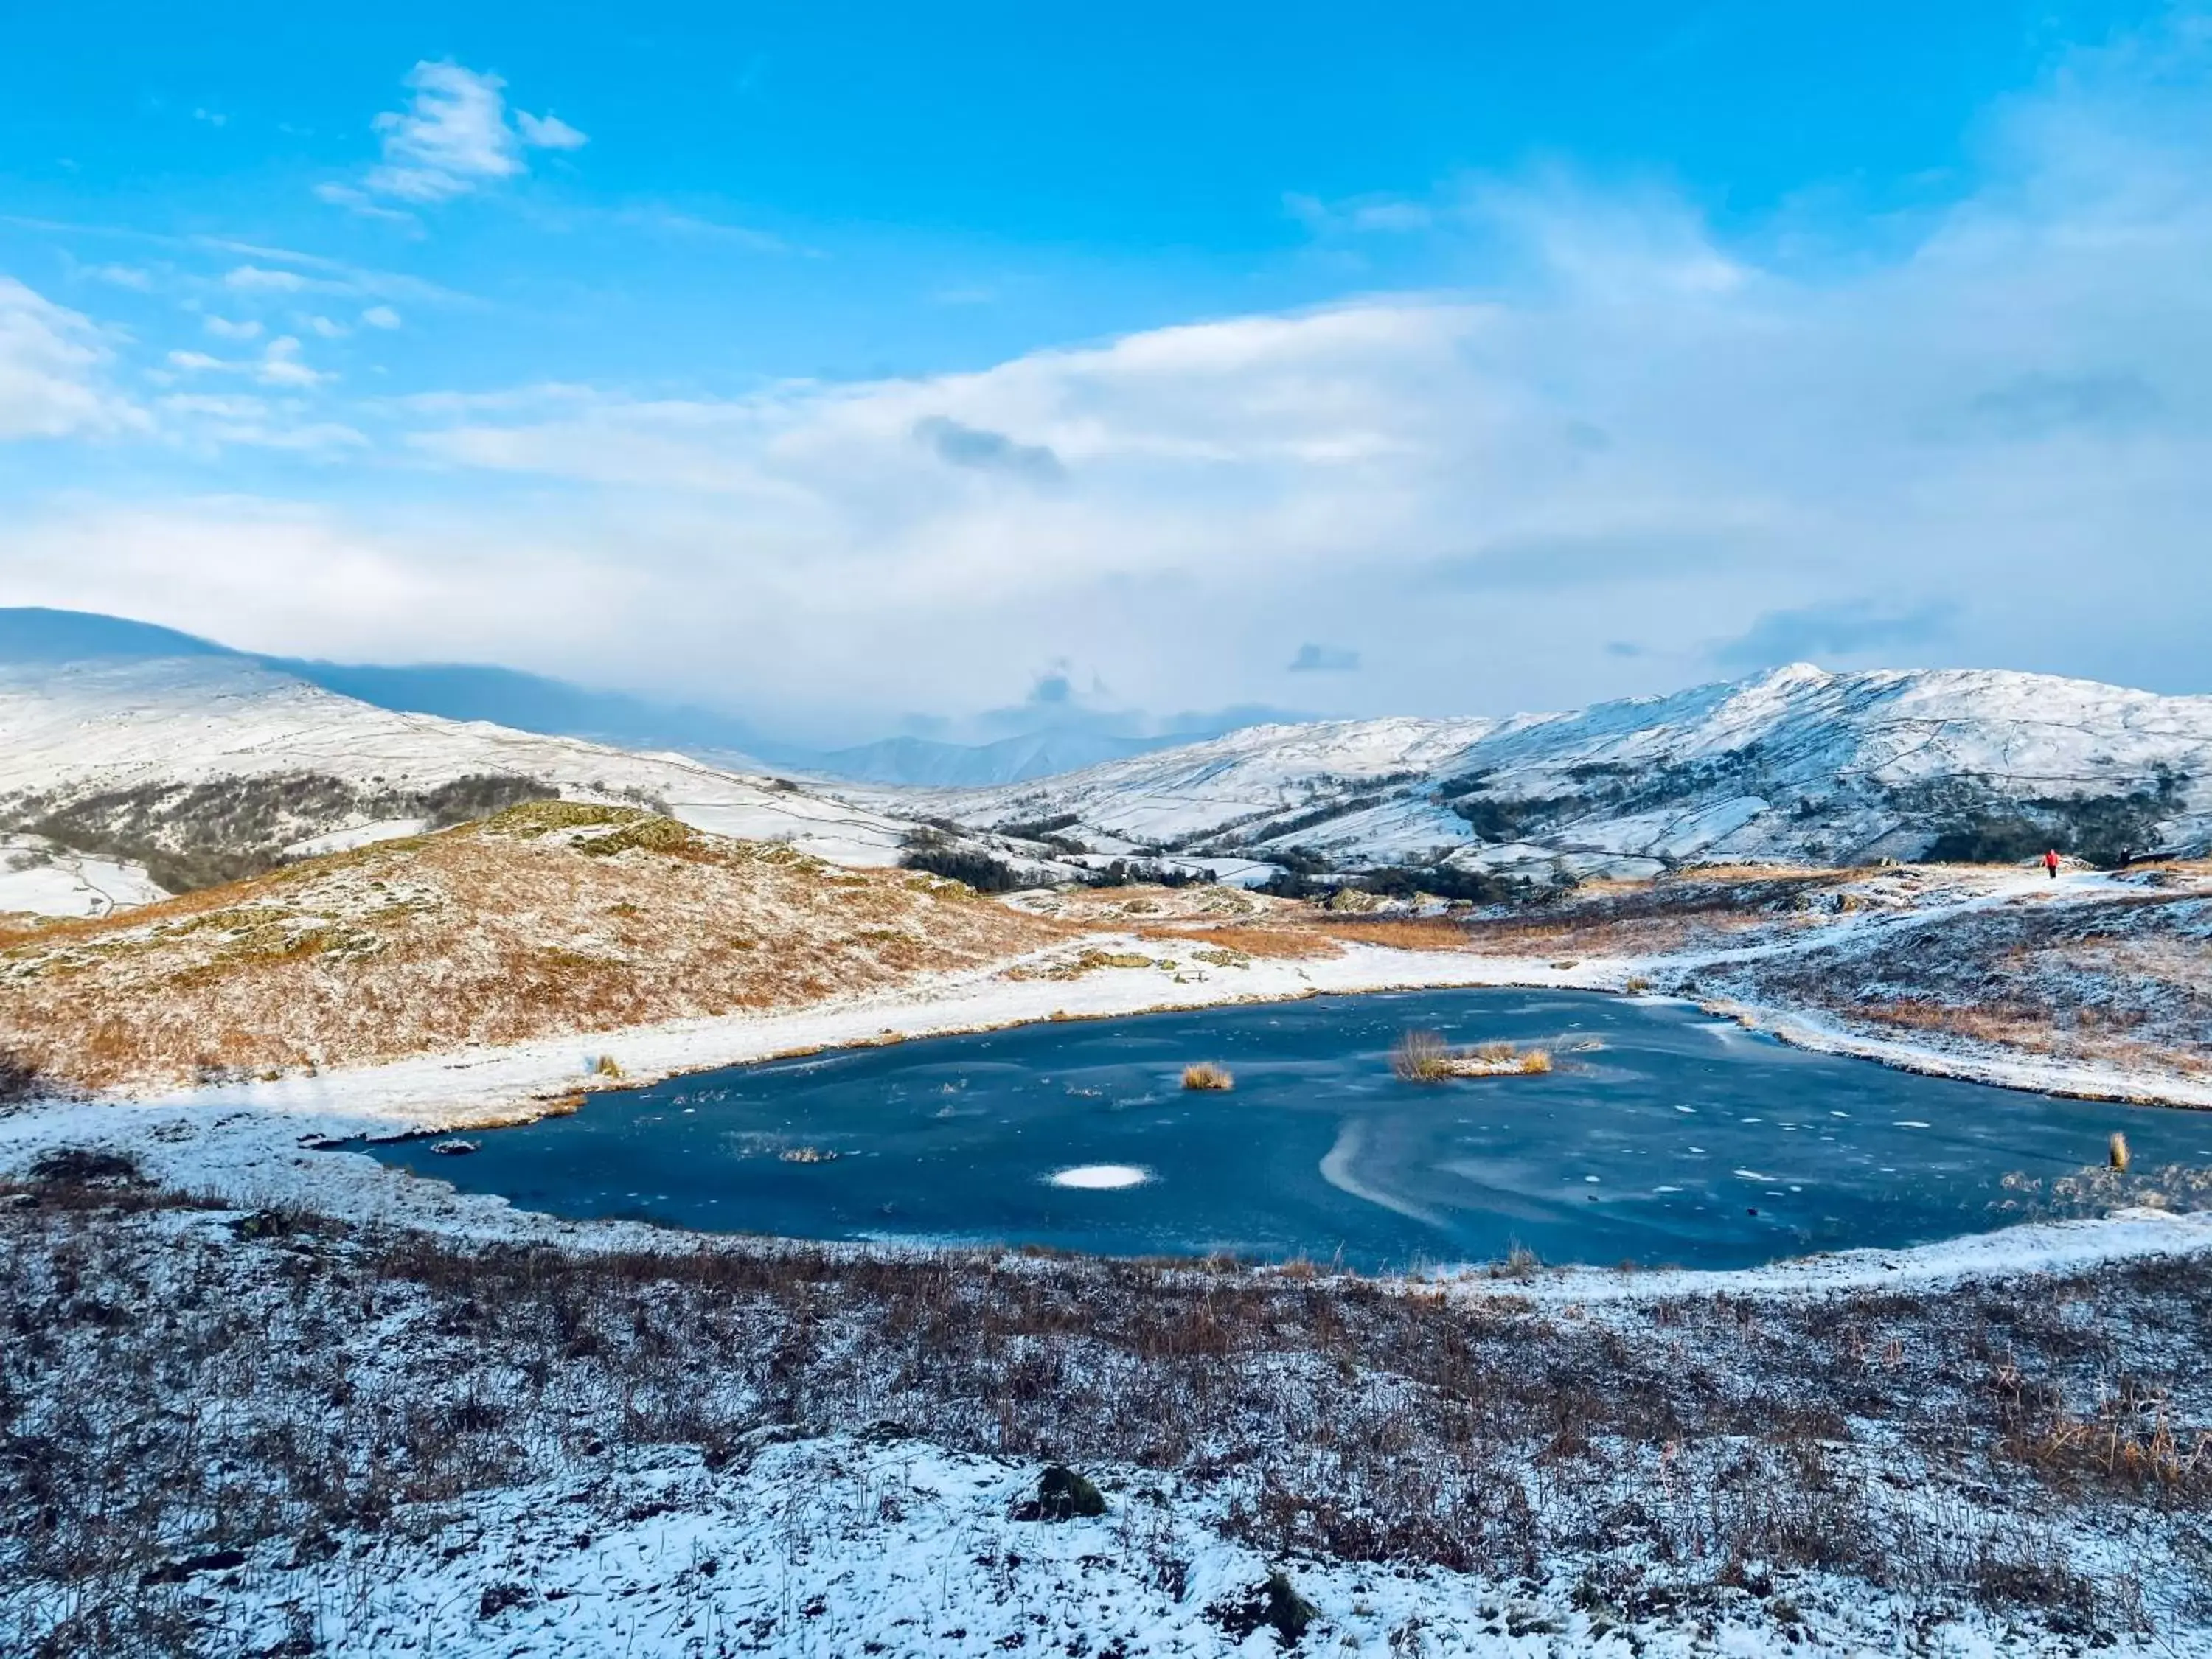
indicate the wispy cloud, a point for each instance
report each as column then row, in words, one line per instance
column 53, row 371
column 1323, row 659
column 454, row 138
column 674, row 221
column 280, row 364
column 1359, row 216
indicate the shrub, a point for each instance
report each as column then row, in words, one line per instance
column 1207, row 1075
column 84, row 1166
column 933, row 851
column 1421, row 1057
column 19, row 1079
column 1062, row 1495
column 478, row 796
column 1123, row 872
column 1442, row 881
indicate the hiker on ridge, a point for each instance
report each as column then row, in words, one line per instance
column 2050, row 862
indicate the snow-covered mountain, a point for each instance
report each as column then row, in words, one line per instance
column 1795, row 764
column 217, row 754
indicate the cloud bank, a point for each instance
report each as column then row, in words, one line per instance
column 1624, row 453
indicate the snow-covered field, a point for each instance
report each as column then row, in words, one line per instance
column 39, row 877
column 265, row 1432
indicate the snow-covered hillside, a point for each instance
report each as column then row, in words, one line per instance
column 38, row 877
column 1796, row 764
column 131, row 737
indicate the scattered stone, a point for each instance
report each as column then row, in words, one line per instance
column 1062, row 1495
column 498, row 1598
column 175, row 1572
column 1276, row 1604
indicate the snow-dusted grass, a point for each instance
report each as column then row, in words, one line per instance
column 703, row 1448
column 560, row 917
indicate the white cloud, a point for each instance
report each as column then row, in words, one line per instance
column 453, row 139
column 548, row 132
column 361, row 202
column 224, row 329
column 1992, row 444
column 1362, row 216
column 323, row 328
column 52, row 371
column 261, row 279
column 130, row 276
column 1648, row 432
column 280, row 364
column 380, row 317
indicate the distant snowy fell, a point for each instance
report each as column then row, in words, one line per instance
column 125, row 741
column 1795, row 764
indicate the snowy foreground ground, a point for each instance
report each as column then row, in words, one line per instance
column 260, row 1398
column 235, row 1432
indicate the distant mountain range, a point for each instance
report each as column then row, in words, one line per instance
column 537, row 703
column 1795, row 764
column 109, row 728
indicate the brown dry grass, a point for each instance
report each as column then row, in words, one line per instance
column 518, row 928
column 1282, row 942
column 1424, row 1057
column 1206, row 1075
column 2121, row 981
column 1396, row 932
column 355, row 1385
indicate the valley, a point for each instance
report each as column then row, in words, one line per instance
column 259, row 930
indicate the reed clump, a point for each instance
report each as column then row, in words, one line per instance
column 1207, row 1075
column 1425, row 1057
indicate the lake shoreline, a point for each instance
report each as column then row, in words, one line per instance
column 256, row 1142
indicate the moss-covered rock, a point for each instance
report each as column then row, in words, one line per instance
column 1063, row 1495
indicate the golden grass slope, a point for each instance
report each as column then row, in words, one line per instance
column 553, row 918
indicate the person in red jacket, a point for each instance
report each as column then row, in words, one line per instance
column 2051, row 863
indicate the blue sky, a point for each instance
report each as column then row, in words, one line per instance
column 864, row 368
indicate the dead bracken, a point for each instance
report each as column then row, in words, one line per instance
column 1667, row 1454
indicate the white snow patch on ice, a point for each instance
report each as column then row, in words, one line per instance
column 1101, row 1177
